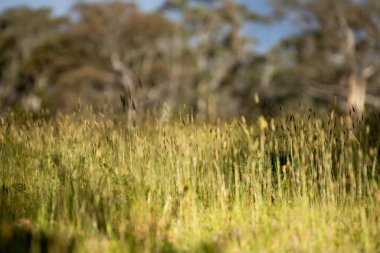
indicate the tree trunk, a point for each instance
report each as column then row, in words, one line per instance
column 358, row 89
column 202, row 89
column 357, row 94
column 176, row 51
column 128, row 84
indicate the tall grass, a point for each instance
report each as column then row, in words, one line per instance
column 288, row 184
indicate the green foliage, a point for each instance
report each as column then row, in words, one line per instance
column 293, row 183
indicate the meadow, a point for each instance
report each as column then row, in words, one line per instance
column 89, row 183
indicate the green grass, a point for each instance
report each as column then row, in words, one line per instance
column 277, row 185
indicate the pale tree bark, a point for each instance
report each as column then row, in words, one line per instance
column 176, row 70
column 212, row 71
column 269, row 71
column 357, row 81
column 128, row 83
column 358, row 90
column 202, row 114
column 206, row 108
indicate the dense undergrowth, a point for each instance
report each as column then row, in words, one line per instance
column 87, row 183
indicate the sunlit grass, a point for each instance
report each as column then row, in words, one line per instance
column 289, row 184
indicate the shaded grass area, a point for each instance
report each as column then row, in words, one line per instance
column 87, row 183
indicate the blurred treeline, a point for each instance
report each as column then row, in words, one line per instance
column 193, row 53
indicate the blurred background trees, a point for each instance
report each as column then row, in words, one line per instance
column 336, row 53
column 193, row 53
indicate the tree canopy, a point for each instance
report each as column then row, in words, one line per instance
column 189, row 52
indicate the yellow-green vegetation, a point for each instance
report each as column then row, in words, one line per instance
column 289, row 184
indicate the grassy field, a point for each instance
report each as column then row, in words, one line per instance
column 85, row 183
